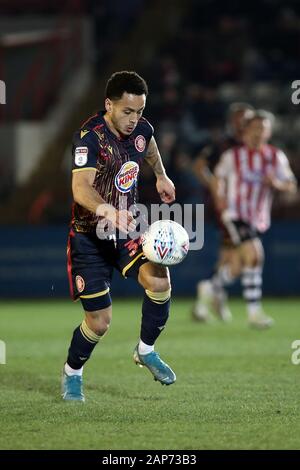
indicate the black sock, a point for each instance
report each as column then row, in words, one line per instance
column 155, row 311
column 83, row 342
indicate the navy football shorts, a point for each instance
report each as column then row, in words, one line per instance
column 91, row 262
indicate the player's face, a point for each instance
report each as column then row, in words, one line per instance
column 125, row 113
column 258, row 132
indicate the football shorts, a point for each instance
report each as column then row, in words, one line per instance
column 91, row 262
column 235, row 232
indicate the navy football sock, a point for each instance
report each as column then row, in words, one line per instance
column 155, row 312
column 83, row 342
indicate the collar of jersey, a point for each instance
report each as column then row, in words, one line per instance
column 114, row 136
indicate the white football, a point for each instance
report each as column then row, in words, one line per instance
column 165, row 242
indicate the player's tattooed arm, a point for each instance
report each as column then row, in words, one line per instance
column 153, row 158
column 164, row 185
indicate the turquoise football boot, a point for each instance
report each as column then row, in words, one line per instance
column 72, row 388
column 158, row 368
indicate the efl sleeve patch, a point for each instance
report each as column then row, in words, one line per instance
column 81, row 156
column 85, row 151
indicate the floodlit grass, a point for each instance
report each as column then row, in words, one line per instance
column 236, row 388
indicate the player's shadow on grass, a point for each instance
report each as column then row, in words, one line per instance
column 120, row 391
column 23, row 380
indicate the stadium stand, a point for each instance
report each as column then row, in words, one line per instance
column 197, row 82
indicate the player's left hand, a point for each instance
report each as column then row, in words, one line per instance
column 165, row 189
column 273, row 182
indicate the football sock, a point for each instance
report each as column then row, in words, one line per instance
column 155, row 312
column 70, row 371
column 222, row 277
column 252, row 289
column 83, row 342
column 145, row 348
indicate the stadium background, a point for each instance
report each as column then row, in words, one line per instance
column 55, row 58
column 197, row 57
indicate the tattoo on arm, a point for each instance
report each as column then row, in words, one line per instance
column 154, row 159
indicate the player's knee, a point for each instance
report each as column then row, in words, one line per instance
column 155, row 278
column 235, row 268
column 157, row 284
column 250, row 260
column 259, row 252
column 250, row 254
column 99, row 321
column 256, row 258
column 96, row 302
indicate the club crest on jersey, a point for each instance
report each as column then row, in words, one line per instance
column 140, row 143
column 127, row 176
column 81, row 156
column 80, row 284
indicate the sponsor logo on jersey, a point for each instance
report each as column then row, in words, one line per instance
column 80, row 284
column 81, row 156
column 140, row 143
column 253, row 177
column 127, row 177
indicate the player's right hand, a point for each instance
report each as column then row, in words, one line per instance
column 225, row 216
column 121, row 219
column 125, row 221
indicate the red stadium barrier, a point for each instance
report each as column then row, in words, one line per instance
column 38, row 85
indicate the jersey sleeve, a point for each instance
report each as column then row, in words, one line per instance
column 84, row 151
column 146, row 130
column 224, row 167
column 149, row 130
column 283, row 169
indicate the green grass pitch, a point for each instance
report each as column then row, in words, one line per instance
column 236, row 388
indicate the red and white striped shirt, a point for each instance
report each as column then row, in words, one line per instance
column 243, row 171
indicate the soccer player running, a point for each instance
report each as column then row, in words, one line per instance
column 205, row 165
column 247, row 177
column 107, row 153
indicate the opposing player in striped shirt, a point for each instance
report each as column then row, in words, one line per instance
column 248, row 175
column 205, row 164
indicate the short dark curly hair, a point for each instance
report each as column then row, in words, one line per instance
column 125, row 82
